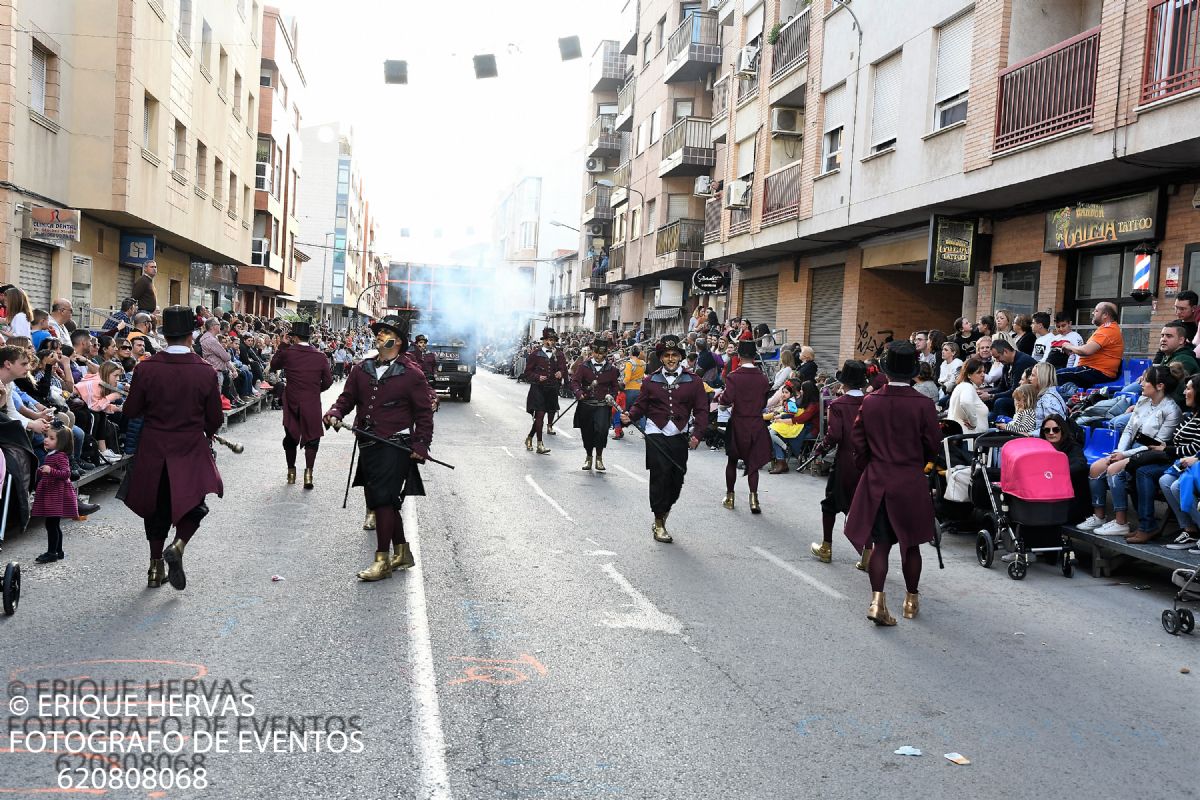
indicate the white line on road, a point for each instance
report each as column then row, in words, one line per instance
column 633, row 475
column 529, row 479
column 479, row 415
column 804, row 576
column 431, row 742
column 507, row 451
column 600, row 553
column 563, row 433
column 645, row 616
column 593, row 541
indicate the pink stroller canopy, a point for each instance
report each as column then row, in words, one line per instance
column 1031, row 469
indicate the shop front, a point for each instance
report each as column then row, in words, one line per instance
column 213, row 286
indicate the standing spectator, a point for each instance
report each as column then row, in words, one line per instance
column 1100, row 358
column 143, row 288
column 1022, row 326
column 18, row 312
column 965, row 337
column 55, row 496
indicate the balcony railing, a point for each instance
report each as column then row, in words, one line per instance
column 781, row 194
column 1048, row 93
column 681, row 236
column 721, row 96
column 791, row 48
column 1172, row 58
column 694, row 47
column 593, row 282
column 747, row 85
column 616, row 261
column 619, row 193
column 624, row 120
column 597, row 205
column 687, row 148
column 712, row 220
column 739, row 218
column 260, row 252
column 603, row 137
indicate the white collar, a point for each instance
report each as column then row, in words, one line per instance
column 177, row 349
column 899, row 383
column 854, row 393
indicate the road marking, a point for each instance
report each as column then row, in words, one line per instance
column 633, row 475
column 529, row 479
column 564, row 434
column 431, row 742
column 645, row 616
column 593, row 541
column 600, row 553
column 804, row 576
column 479, row 415
column 507, row 451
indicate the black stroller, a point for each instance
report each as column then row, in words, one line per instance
column 1176, row 619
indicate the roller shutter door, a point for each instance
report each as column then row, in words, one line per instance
column 759, row 299
column 37, row 263
column 125, row 278
column 825, row 316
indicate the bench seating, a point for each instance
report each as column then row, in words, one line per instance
column 1110, row 552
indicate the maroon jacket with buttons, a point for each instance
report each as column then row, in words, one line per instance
column 398, row 401
column 607, row 381
column 308, row 375
column 659, row 402
column 537, row 365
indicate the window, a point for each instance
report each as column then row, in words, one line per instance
column 201, row 165
column 835, row 102
column 222, row 73
column 659, row 33
column 150, row 124
column 218, row 180
column 603, row 109
column 635, row 223
column 233, row 192
column 646, row 53
column 1016, row 288
column 677, row 207
column 528, row 235
column 654, row 126
column 651, row 215
column 247, row 201
column 250, row 109
column 282, row 92
column 745, row 157
column 179, row 146
column 277, row 172
column 237, row 94
column 205, row 46
column 953, row 71
column 266, row 77
column 885, row 104
column 185, row 20
column 684, row 107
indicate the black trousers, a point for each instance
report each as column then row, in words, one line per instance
column 158, row 524
column 593, row 422
column 666, row 479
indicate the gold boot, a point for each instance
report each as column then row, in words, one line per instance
column 728, row 501
column 755, row 508
column 599, row 462
column 550, row 430
column 402, row 557
column 659, row 529
column 878, row 612
column 308, row 479
column 529, row 442
column 823, row 551
column 912, row 604
column 156, row 574
column 291, row 476
column 864, row 560
column 173, row 555
column 380, row 569
column 369, row 522
column 542, row 449
column 587, row 463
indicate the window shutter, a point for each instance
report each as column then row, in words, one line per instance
column 885, row 114
column 39, row 80
column 146, row 126
column 835, row 107
column 954, row 57
column 677, row 206
column 745, row 157
column 754, row 22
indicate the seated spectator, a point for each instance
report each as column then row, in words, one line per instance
column 986, row 326
column 18, row 313
column 1100, row 358
column 1023, row 328
column 1004, row 328
column 951, row 366
column 1024, row 421
column 925, row 384
column 932, row 354
column 121, row 323
column 1063, row 335
column 965, row 337
column 794, row 423
column 1015, row 365
column 992, row 368
column 965, row 407
column 1184, row 453
column 1186, row 311
column 1057, row 431
column 1044, row 380
column 106, row 405
column 40, row 329
column 806, row 370
column 787, row 362
column 1043, row 341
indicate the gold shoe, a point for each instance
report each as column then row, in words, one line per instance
column 599, row 463
column 380, row 569
column 878, row 612
column 529, row 442
column 912, row 604
column 291, row 475
column 308, row 479
column 156, row 574
column 823, row 551
column 550, row 430
column 542, row 449
column 728, row 501
column 755, row 508
column 587, row 463
column 864, row 560
column 369, row 522
column 173, row 555
column 402, row 557
column 659, row 529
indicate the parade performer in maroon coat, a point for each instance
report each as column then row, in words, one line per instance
column 308, row 374
column 55, row 496
column 545, row 370
column 424, row 358
column 748, row 439
column 179, row 396
column 391, row 400
column 675, row 406
column 895, row 435
column 595, row 383
column 843, row 479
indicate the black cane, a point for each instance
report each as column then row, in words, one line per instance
column 564, row 412
column 814, row 457
column 661, row 450
column 350, row 474
column 397, row 445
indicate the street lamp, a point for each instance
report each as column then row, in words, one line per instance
column 558, row 224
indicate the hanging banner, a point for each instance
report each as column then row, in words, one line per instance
column 1135, row 218
column 952, row 251
column 136, row 249
column 52, row 225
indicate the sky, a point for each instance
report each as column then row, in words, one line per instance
column 440, row 151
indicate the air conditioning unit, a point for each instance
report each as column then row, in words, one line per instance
column 737, row 194
column 787, row 121
column 594, row 165
column 704, row 185
column 747, row 61
column 595, row 229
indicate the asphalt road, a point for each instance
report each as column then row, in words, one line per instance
column 547, row 647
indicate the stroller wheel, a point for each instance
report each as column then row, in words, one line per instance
column 1170, row 622
column 1016, row 570
column 1068, row 567
column 12, row 588
column 985, row 551
column 1187, row 622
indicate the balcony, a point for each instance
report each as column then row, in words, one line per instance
column 607, row 69
column 262, row 176
column 724, row 9
column 592, row 282
column 616, row 262
column 619, row 194
column 597, row 206
column 629, row 29
column 739, row 218
column 694, row 49
column 603, row 138
column 718, row 132
column 712, row 220
column 564, row 304
column 747, row 83
column 1048, row 93
column 791, row 48
column 687, row 149
column 1172, row 58
column 680, row 244
column 625, row 95
column 781, row 191
column 260, row 252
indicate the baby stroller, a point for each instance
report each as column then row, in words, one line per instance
column 12, row 570
column 718, row 425
column 1176, row 619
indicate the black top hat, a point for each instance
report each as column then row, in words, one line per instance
column 600, row 344
column 900, row 362
column 391, row 322
column 853, row 374
column 671, row 342
column 302, row 329
column 178, row 321
column 420, row 337
column 747, row 351
column 548, row 333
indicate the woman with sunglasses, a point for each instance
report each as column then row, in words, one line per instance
column 1056, row 431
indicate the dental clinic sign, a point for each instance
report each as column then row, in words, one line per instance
column 56, row 226
column 1136, row 218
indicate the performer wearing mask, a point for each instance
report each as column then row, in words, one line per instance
column 308, row 375
column 843, row 478
column 426, row 359
column 668, row 399
column 391, row 401
column 595, row 385
column 748, row 440
column 895, row 435
column 179, row 397
column 545, row 368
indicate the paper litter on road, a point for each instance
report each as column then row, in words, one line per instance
column 908, row 751
column 958, row 758
column 1019, row 633
column 276, row 578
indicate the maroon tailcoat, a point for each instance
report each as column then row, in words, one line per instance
column 427, row 362
column 308, row 375
column 659, row 402
column 56, row 495
column 180, row 399
column 838, row 426
column 537, row 366
column 895, row 435
column 398, row 401
column 746, row 391
column 607, row 381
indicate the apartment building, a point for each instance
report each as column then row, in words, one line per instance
column 890, row 166
column 269, row 283
column 131, row 142
column 569, row 310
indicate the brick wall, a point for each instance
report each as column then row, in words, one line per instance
column 815, row 114
column 899, row 301
column 793, row 309
column 8, row 106
column 990, row 54
column 1116, row 60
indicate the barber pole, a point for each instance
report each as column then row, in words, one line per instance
column 1141, row 272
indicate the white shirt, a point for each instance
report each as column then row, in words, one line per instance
column 1042, row 345
column 10, row 408
column 1070, row 338
column 967, row 409
column 20, row 324
column 60, row 332
column 672, row 429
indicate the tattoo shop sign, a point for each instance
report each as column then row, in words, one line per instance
column 1134, row 218
column 953, row 251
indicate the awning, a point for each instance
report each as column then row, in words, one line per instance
column 664, row 313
